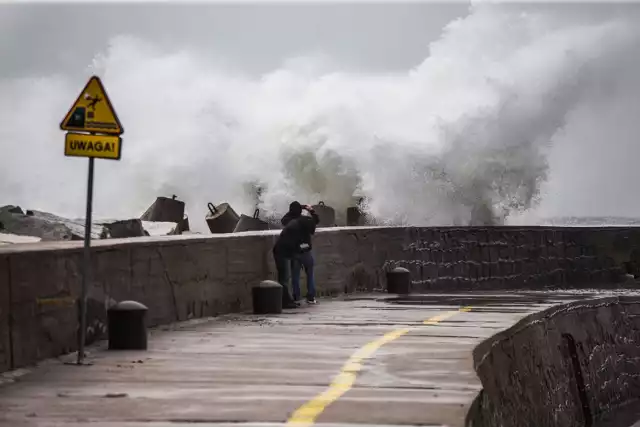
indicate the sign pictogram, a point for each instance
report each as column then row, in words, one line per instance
column 92, row 111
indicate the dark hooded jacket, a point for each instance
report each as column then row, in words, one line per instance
column 295, row 211
column 295, row 237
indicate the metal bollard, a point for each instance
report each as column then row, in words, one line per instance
column 267, row 297
column 398, row 281
column 127, row 326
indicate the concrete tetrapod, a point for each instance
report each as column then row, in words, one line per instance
column 326, row 214
column 398, row 281
column 248, row 223
column 127, row 326
column 221, row 218
column 165, row 209
column 126, row 228
column 267, row 297
column 355, row 217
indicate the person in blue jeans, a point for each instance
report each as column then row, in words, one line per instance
column 302, row 257
column 299, row 261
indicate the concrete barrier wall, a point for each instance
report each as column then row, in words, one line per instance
column 507, row 258
column 176, row 279
column 572, row 365
column 180, row 277
column 5, row 328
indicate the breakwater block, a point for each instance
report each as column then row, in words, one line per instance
column 247, row 223
column 125, row 228
column 165, row 209
column 326, row 215
column 222, row 218
column 355, row 217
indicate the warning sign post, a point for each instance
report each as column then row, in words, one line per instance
column 93, row 131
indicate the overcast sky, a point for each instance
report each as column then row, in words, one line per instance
column 46, row 37
column 255, row 38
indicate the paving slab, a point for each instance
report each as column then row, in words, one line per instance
column 257, row 370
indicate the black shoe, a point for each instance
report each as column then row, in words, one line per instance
column 312, row 301
column 290, row 305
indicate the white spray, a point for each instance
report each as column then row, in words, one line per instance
column 461, row 139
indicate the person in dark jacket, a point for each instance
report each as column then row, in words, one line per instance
column 295, row 211
column 294, row 247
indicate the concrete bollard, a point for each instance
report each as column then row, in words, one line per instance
column 267, row 297
column 398, row 281
column 127, row 326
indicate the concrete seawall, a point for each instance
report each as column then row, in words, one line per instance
column 181, row 277
column 576, row 364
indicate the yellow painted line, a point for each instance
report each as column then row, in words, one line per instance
column 56, row 301
column 307, row 414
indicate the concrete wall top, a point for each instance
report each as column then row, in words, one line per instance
column 198, row 238
column 116, row 243
column 159, row 240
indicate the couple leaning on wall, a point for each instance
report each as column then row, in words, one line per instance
column 292, row 252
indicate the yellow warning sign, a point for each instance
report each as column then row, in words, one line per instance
column 92, row 111
column 97, row 146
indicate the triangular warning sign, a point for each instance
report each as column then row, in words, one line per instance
column 92, row 111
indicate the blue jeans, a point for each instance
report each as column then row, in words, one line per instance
column 303, row 260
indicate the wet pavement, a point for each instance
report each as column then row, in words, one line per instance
column 362, row 360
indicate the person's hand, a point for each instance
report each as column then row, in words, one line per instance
column 309, row 208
